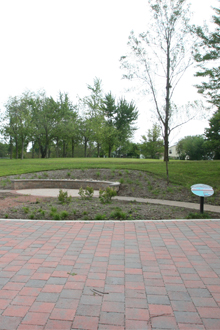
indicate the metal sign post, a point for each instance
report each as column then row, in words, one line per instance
column 202, row 190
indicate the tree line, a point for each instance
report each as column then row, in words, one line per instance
column 98, row 124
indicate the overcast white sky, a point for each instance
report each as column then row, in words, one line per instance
column 62, row 45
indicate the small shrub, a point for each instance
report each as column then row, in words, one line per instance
column 121, row 180
column 25, row 209
column 119, row 173
column 63, row 197
column 6, row 216
column 106, row 195
column 64, row 215
column 100, row 216
column 74, row 211
column 85, row 213
column 56, row 216
column 53, row 209
column 86, row 193
column 192, row 215
column 98, row 174
column 68, row 174
column 118, row 214
column 31, row 216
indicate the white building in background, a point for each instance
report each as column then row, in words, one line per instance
column 173, row 152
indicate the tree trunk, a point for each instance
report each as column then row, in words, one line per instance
column 57, row 149
column 109, row 151
column 22, row 148
column 98, row 148
column 167, row 115
column 11, row 148
column 16, row 142
column 85, row 148
column 72, row 147
column 32, row 149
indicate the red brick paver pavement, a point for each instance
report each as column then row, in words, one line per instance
column 109, row 275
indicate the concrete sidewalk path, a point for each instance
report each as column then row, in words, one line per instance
column 74, row 193
column 109, row 275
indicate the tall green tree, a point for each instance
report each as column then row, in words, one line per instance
column 93, row 111
column 212, row 134
column 152, row 144
column 18, row 126
column 207, row 55
column 43, row 112
column 158, row 58
column 110, row 133
column 119, row 122
column 126, row 116
column 192, row 147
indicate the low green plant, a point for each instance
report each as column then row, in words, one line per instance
column 53, row 209
column 25, row 209
column 121, row 180
column 86, row 193
column 195, row 215
column 119, row 173
column 74, row 211
column 118, row 214
column 42, row 212
column 149, row 186
column 56, row 216
column 6, row 215
column 100, row 216
column 64, row 215
column 85, row 212
column 156, row 191
column 32, row 216
column 169, row 189
column 63, row 197
column 98, row 174
column 106, row 195
column 68, row 174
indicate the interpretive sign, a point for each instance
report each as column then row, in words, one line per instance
column 202, row 190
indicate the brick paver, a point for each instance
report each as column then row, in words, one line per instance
column 109, row 275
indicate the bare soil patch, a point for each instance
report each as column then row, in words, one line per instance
column 133, row 183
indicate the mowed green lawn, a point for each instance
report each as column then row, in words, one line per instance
column 185, row 173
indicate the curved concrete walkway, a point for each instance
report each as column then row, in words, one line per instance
column 74, row 193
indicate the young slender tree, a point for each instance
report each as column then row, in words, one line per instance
column 158, row 58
